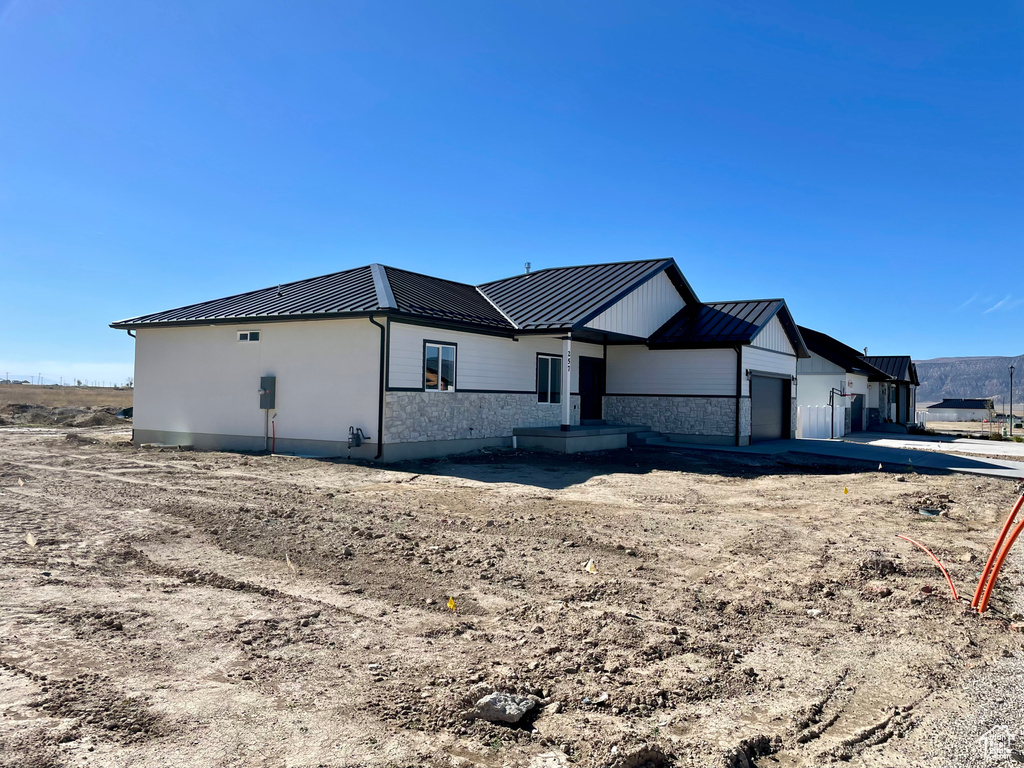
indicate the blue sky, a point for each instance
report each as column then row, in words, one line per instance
column 865, row 162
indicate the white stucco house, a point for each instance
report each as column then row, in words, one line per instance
column 961, row 409
column 876, row 392
column 383, row 363
column 835, row 375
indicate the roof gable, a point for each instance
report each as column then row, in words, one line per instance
column 897, row 367
column 641, row 312
column 726, row 323
column 773, row 337
column 570, row 297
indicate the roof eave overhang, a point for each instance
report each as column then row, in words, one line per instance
column 586, row 335
column 717, row 344
column 791, row 328
column 127, row 325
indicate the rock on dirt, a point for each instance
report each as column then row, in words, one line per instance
column 502, row 707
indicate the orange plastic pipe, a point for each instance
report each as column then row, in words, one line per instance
column 995, row 551
column 983, row 605
column 933, row 557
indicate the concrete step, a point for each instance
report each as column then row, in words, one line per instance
column 640, row 438
column 660, row 442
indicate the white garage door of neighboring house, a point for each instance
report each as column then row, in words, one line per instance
column 769, row 408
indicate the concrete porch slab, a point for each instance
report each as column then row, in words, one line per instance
column 580, row 430
column 577, row 439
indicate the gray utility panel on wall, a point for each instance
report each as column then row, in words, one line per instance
column 268, row 392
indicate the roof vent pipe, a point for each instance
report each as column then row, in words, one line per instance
column 527, row 265
column 279, row 293
column 865, row 351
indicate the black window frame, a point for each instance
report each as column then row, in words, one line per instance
column 546, row 393
column 455, row 364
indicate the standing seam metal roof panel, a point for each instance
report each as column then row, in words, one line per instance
column 895, row 366
column 718, row 323
column 562, row 296
column 348, row 291
column 444, row 299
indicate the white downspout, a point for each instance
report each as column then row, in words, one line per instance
column 566, row 380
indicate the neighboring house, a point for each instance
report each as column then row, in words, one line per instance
column 421, row 366
column 896, row 399
column 958, row 409
column 836, row 374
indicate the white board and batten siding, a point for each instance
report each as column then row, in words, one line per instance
column 643, row 311
column 773, row 336
column 637, row 370
column 482, row 362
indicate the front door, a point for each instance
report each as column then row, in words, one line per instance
column 591, row 387
column 857, row 413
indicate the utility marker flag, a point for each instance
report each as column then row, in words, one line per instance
column 30, row 539
column 591, row 568
column 20, row 482
column 451, row 603
column 846, row 490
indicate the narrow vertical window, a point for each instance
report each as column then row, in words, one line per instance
column 438, row 367
column 549, row 379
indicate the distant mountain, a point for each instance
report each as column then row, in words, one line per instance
column 970, row 377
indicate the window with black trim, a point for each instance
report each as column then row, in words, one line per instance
column 438, row 367
column 549, row 379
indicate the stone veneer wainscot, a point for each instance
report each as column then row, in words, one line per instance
column 411, row 417
column 686, row 415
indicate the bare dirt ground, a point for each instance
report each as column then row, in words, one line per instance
column 187, row 609
column 22, row 404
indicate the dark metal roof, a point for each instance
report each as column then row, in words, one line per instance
column 725, row 324
column 355, row 291
column 570, row 297
column 433, row 297
column 968, row 404
column 833, row 350
column 898, row 367
column 340, row 292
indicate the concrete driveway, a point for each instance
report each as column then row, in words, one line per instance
column 924, row 458
column 943, row 443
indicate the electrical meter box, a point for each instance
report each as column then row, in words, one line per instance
column 268, row 392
